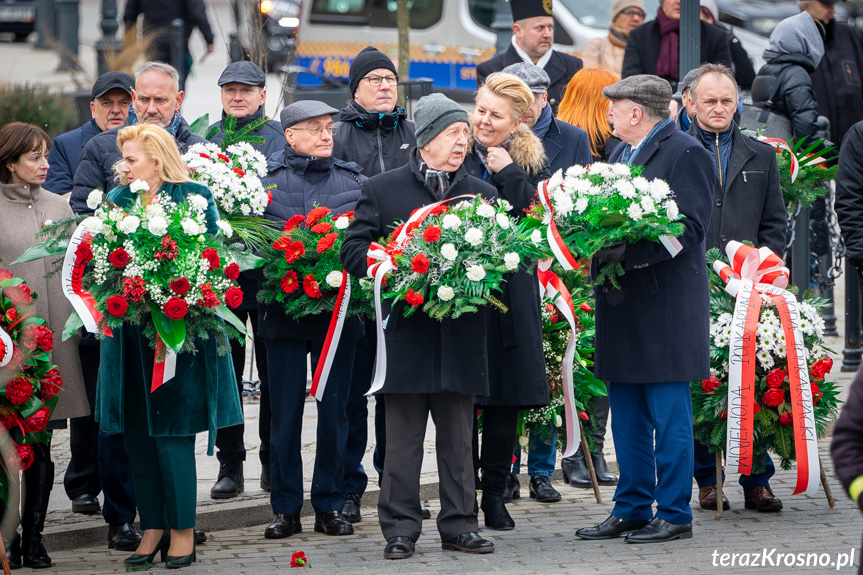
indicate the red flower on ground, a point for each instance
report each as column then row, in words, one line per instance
column 785, row 418
column 44, row 337
column 440, row 209
column 233, row 297
column 310, row 286
column 414, row 298
column 232, row 271
column 83, row 253
column 19, row 390
column 180, row 286
column 711, row 385
column 420, row 264
column 775, row 378
column 327, row 242
column 773, row 397
column 209, row 299
column 431, row 234
column 290, row 282
column 175, row 308
column 212, row 256
column 25, row 456
column 322, row 228
column 50, row 385
column 294, row 251
column 293, row 222
column 315, row 215
column 133, row 288
column 298, row 559
column 119, row 258
column 38, row 421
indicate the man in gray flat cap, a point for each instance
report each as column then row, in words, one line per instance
column 651, row 341
column 686, row 113
column 307, row 175
column 243, row 88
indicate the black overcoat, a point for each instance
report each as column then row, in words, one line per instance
column 424, row 355
column 565, row 145
column 656, row 327
column 849, row 194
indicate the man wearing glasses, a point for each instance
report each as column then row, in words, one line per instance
column 307, row 176
column 375, row 133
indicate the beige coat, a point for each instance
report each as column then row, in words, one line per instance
column 606, row 52
column 23, row 211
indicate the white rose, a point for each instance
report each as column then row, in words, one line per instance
column 157, row 226
column 511, row 260
column 503, row 220
column 635, row 212
column 451, row 222
column 671, row 210
column 129, row 224
column 449, row 252
column 93, row 225
column 334, row 278
column 94, row 198
column 445, row 293
column 198, row 202
column 225, row 227
column 474, row 236
column 536, row 237
column 475, row 273
column 191, row 227
column 139, row 186
column 485, row 211
column 342, row 223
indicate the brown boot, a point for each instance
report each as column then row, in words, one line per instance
column 762, row 499
column 707, row 498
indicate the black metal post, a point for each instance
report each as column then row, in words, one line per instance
column 178, row 54
column 234, row 47
column 800, row 252
column 44, row 23
column 825, row 265
column 502, row 26
column 108, row 43
column 690, row 37
column 66, row 12
column 852, row 353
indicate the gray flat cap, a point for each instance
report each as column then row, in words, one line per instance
column 243, row 72
column 534, row 76
column 688, row 79
column 643, row 89
column 304, row 110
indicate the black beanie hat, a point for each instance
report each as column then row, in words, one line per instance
column 370, row 58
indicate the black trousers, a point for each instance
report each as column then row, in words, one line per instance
column 498, row 440
column 356, row 480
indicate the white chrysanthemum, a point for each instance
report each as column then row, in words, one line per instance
column 536, row 237
column 575, row 171
column 581, row 204
column 659, row 190
column 621, row 170
column 342, row 223
column 485, row 211
column 191, row 227
column 475, row 273
column 511, row 260
column 671, row 210
column 555, row 180
column 129, row 224
column 503, row 220
column 93, row 225
column 635, row 212
column 563, row 205
column 449, row 252
column 600, row 169
column 641, row 184
column 626, row 190
column 157, row 226
column 648, row 205
column 198, row 201
column 225, row 227
column 451, row 222
column 445, row 293
column 334, row 278
column 94, row 198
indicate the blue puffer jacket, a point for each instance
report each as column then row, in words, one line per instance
column 65, row 155
column 303, row 183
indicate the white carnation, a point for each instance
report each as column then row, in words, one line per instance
column 475, row 273
column 635, row 212
column 191, row 227
column 445, row 293
column 129, row 224
column 449, row 252
column 485, row 211
column 504, row 204
column 342, row 222
column 503, row 220
column 155, row 210
column 93, row 225
column 511, row 260
column 94, row 198
column 225, row 227
column 671, row 210
column 198, row 201
column 474, row 236
column 451, row 222
column 139, row 186
column 536, row 237
column 157, row 226
column 334, row 278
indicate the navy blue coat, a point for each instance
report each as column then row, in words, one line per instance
column 65, row 155
column 272, row 132
column 656, row 327
column 565, row 145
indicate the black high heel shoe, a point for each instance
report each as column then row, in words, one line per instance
column 180, row 562
column 144, row 562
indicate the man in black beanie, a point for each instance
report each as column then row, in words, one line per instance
column 532, row 38
column 375, row 133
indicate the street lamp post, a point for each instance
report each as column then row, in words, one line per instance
column 690, row 37
column 108, row 43
column 502, row 26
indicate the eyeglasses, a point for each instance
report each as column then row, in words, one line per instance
column 634, row 12
column 377, row 80
column 317, row 131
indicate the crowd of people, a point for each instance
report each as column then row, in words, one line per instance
column 536, row 111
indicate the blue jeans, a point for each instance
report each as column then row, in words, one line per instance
column 541, row 456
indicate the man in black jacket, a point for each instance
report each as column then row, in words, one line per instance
column 849, row 195
column 156, row 99
column 747, row 206
column 533, row 34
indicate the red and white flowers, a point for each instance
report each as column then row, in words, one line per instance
column 233, row 175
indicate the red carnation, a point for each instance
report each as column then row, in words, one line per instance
column 711, row 385
column 817, row 394
column 175, row 308
column 8, row 418
column 44, row 337
column 413, row 226
column 119, row 258
column 269, row 197
column 209, row 299
column 25, row 456
column 414, row 298
column 133, row 288
column 180, row 286
column 212, row 256
column 322, row 228
column 239, row 172
column 232, row 271
column 584, row 307
column 289, row 282
column 785, row 418
column 298, row 559
column 397, row 231
column 775, row 378
column 38, row 421
column 348, row 214
column 83, row 253
column 50, row 385
column 224, row 158
column 294, row 251
column 315, row 216
column 327, row 242
column 431, row 234
column 293, row 222
column 310, row 286
column 440, row 209
column 19, row 390
column 233, row 297
column 420, row 264
column 773, row 397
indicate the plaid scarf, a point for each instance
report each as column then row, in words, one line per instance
column 436, row 181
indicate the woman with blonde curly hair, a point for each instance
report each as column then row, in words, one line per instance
column 583, row 105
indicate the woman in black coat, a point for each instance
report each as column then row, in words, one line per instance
column 510, row 157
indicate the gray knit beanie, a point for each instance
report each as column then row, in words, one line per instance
column 433, row 114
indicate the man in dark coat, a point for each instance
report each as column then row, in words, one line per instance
column 747, row 206
column 243, row 89
column 849, row 195
column 435, row 367
column 532, row 37
column 375, row 133
column 307, row 176
column 156, row 99
column 109, row 107
column 653, row 47
column 652, row 333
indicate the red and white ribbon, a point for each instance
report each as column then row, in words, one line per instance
column 73, row 274
column 334, row 335
column 164, row 369
column 558, row 247
column 551, row 286
column 781, row 144
column 5, row 348
column 754, row 272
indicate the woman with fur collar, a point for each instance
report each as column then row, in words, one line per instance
column 509, row 156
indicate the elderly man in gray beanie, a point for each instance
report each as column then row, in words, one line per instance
column 433, row 366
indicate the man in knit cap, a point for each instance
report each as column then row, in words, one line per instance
column 433, row 366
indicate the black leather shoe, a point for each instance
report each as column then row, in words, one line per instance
column 494, row 512
column 399, row 547
column 512, row 489
column 575, row 471
column 86, row 504
column 542, row 491
column 610, row 528
column 351, row 509
column 660, row 530
column 123, row 537
column 283, row 526
column 425, row 512
column 468, row 543
column 603, row 475
column 230, row 481
column 200, row 537
column 333, row 523
column 13, row 552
